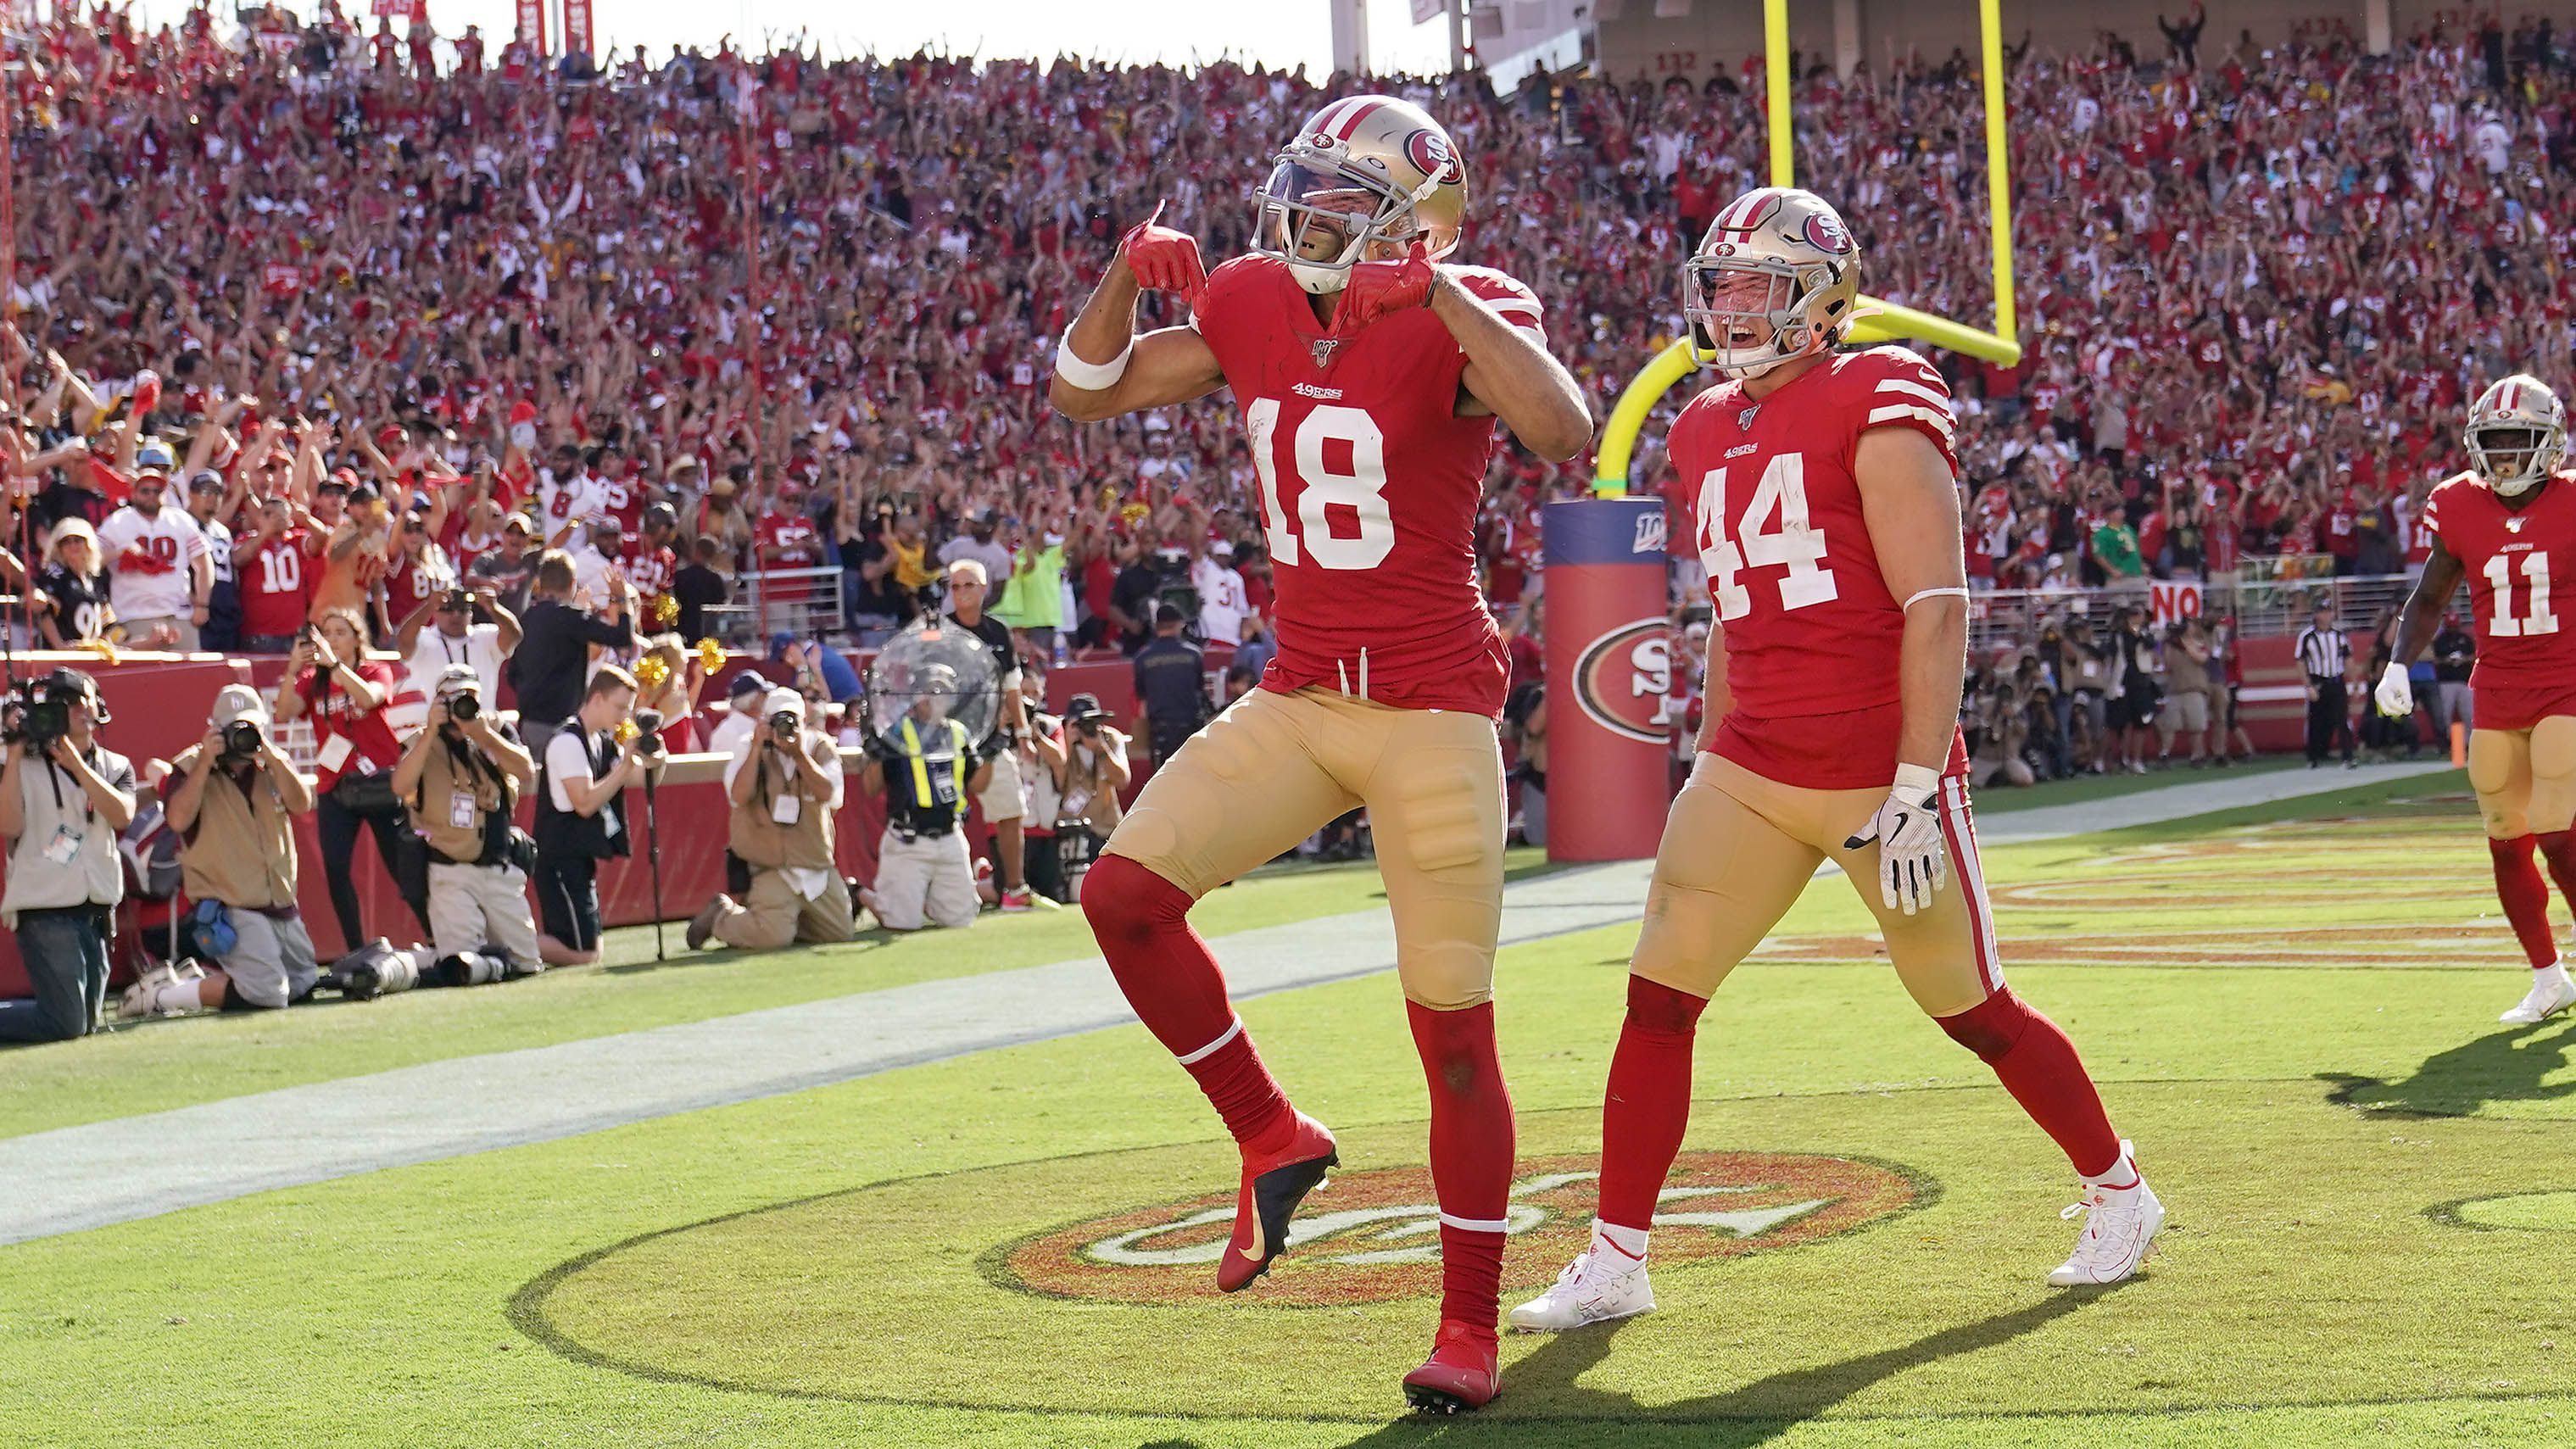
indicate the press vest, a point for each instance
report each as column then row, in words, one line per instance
column 927, row 787
column 757, row 836
column 241, row 850
column 570, row 833
column 445, row 780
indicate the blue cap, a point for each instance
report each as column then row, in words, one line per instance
column 780, row 643
column 154, row 456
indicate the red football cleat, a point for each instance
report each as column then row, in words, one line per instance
column 1273, row 1184
column 1464, row 1371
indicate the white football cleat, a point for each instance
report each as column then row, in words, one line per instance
column 1588, row 1291
column 2551, row 993
column 2119, row 1230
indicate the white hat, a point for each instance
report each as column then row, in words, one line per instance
column 783, row 701
column 236, row 702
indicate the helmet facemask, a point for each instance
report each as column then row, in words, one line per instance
column 1323, row 219
column 1747, row 315
column 2512, row 456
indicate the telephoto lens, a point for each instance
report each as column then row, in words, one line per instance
column 241, row 738
column 463, row 707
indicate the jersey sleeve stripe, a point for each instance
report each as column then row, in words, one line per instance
column 1933, row 418
column 1897, row 386
column 1514, row 306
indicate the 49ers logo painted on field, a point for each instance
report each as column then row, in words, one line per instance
column 1374, row 1236
column 1621, row 680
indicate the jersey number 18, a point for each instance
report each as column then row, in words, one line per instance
column 1362, row 488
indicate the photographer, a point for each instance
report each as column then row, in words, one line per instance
column 329, row 678
column 62, row 799
column 928, row 768
column 460, row 779
column 443, row 632
column 233, row 800
column 1088, row 768
column 785, row 785
column 581, row 812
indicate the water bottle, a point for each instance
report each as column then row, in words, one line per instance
column 1063, row 656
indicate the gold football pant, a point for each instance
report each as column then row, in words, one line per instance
column 1738, row 849
column 2525, row 779
column 1275, row 768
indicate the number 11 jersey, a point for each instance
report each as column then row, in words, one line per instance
column 1813, row 637
column 2526, row 664
column 1370, row 483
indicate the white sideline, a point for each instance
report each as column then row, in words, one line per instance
column 101, row 1173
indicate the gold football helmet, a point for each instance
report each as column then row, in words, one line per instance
column 1775, row 279
column 2517, row 434
column 1363, row 171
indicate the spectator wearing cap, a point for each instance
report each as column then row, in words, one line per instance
column 460, row 779
column 355, row 560
column 978, row 544
column 511, row 566
column 1003, row 796
column 822, row 673
column 330, row 680
column 743, row 698
column 1171, row 686
column 552, row 663
column 1087, row 771
column 159, row 575
column 784, row 782
column 929, row 769
column 206, row 500
column 278, row 561
column 60, row 810
column 442, row 633
column 1222, row 609
column 595, row 549
column 417, row 570
column 71, row 598
column 233, row 799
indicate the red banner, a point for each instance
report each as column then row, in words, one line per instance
column 532, row 26
column 398, row 9
column 577, row 36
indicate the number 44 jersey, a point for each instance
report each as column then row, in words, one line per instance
column 1812, row 634
column 2526, row 666
column 1369, row 487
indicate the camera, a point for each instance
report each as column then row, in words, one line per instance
column 241, row 739
column 648, row 731
column 39, row 711
column 786, row 724
column 464, row 706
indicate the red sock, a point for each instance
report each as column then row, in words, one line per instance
column 1471, row 1154
column 2558, row 847
column 1648, row 1105
column 1142, row 923
column 2526, row 898
column 2039, row 1067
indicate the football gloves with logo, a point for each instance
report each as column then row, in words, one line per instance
column 1164, row 260
column 2396, row 692
column 1378, row 289
column 1913, row 861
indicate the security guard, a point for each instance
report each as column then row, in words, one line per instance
column 785, row 785
column 460, row 780
column 929, row 769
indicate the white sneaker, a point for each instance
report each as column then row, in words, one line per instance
column 2551, row 993
column 143, row 998
column 2120, row 1229
column 1588, row 1291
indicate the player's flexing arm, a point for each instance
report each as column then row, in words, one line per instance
column 1510, row 373
column 1911, row 505
column 2416, row 625
column 1171, row 365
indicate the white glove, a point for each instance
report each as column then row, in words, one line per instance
column 2396, row 693
column 1913, row 861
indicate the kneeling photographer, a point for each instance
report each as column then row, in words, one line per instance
column 927, row 763
column 1088, row 767
column 63, row 797
column 785, row 785
column 581, row 811
column 233, row 800
column 460, row 778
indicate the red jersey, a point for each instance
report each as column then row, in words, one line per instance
column 1370, row 483
column 1812, row 634
column 2526, row 665
column 370, row 744
column 650, row 570
column 411, row 582
column 793, row 537
column 277, row 585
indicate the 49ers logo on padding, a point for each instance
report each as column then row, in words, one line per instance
column 1622, row 677
column 1374, row 1236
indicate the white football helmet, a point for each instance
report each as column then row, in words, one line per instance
column 2517, row 434
column 1775, row 279
column 1363, row 170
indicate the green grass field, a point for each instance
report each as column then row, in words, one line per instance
column 2291, row 1009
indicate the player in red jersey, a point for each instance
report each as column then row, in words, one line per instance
column 1369, row 379
column 1828, row 518
column 2508, row 525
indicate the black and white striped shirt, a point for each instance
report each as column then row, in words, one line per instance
column 2323, row 652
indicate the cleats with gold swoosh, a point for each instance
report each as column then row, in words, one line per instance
column 1274, row 1182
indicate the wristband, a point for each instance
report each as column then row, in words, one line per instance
column 1090, row 376
column 1920, row 780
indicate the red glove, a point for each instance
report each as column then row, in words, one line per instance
column 1164, row 260
column 147, row 392
column 134, row 561
column 1379, row 288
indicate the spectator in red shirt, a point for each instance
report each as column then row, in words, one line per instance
column 330, row 680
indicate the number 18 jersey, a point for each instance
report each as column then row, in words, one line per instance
column 2526, row 665
column 1812, row 634
column 1370, row 484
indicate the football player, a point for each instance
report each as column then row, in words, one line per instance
column 1369, row 376
column 2506, row 525
column 1828, row 519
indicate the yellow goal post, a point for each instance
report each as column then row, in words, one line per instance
column 1877, row 320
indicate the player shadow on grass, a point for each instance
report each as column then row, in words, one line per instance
column 2502, row 1066
column 1753, row 1414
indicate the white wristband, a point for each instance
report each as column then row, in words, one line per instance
column 1090, row 376
column 1918, row 779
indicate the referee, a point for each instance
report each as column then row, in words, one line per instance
column 2323, row 653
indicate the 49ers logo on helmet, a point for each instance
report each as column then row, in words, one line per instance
column 1430, row 154
column 1825, row 233
column 1621, row 678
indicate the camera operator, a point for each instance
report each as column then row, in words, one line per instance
column 233, row 799
column 581, row 812
column 785, row 785
column 460, row 779
column 929, row 768
column 442, row 632
column 63, row 797
column 1000, row 792
column 1088, row 767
